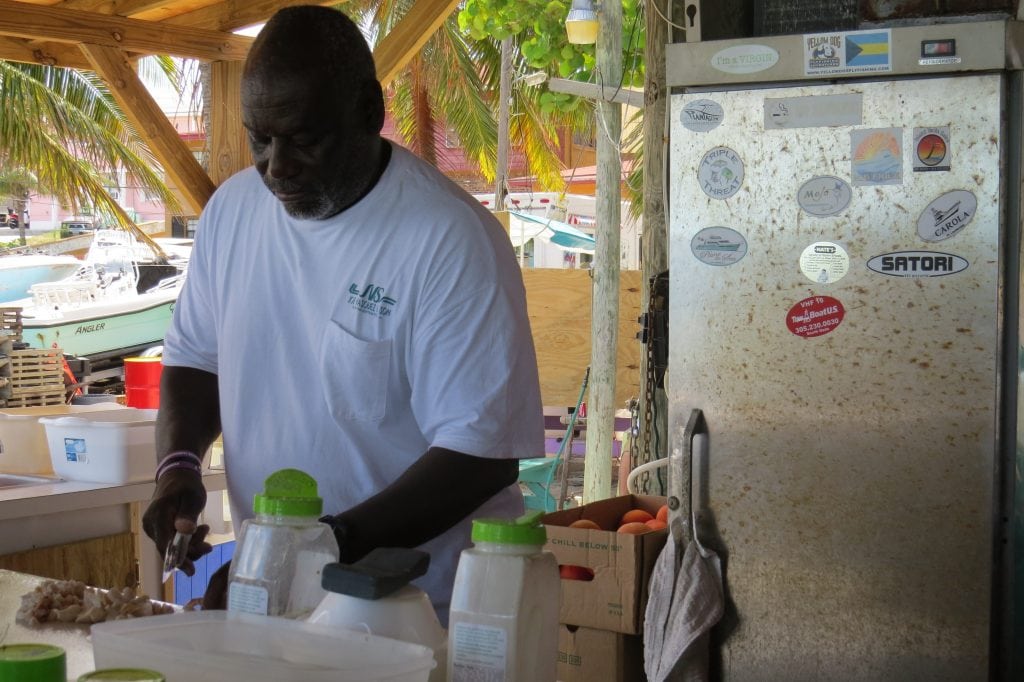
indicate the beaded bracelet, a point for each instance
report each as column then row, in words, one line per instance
column 181, row 459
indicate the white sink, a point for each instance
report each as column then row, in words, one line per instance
column 19, row 480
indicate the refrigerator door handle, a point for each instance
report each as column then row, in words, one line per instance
column 680, row 483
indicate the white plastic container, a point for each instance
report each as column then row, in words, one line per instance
column 23, row 447
column 279, row 559
column 503, row 623
column 107, row 446
column 240, row 647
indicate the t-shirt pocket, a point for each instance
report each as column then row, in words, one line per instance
column 355, row 375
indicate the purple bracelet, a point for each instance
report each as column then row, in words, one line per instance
column 182, row 459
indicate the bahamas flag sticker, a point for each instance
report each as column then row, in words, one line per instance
column 848, row 52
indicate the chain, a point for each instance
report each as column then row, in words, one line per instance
column 649, row 453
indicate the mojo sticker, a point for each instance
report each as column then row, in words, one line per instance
column 745, row 59
column 824, row 195
column 720, row 173
column 815, row 316
column 824, row 262
column 947, row 215
column 718, row 246
column 702, row 115
column 931, row 149
column 877, row 156
column 917, row 264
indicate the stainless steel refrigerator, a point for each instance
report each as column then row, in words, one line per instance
column 844, row 252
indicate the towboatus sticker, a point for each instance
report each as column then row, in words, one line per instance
column 815, row 316
column 947, row 215
column 917, row 264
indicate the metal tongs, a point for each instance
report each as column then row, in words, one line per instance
column 177, row 552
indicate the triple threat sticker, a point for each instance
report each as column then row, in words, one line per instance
column 720, row 173
column 815, row 316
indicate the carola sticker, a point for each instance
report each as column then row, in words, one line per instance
column 824, row 195
column 917, row 264
column 815, row 316
column 720, row 173
column 718, row 246
column 701, row 115
column 947, row 215
column 745, row 59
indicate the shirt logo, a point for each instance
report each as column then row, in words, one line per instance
column 370, row 300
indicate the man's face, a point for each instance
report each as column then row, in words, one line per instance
column 313, row 151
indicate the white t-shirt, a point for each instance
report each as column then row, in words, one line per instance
column 347, row 347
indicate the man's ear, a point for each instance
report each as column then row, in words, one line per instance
column 372, row 100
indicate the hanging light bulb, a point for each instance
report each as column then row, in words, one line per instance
column 581, row 23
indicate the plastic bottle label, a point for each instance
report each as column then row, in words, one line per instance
column 478, row 653
column 247, row 598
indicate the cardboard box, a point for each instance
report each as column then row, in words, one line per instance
column 588, row 655
column 621, row 563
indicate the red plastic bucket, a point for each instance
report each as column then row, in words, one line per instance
column 142, row 382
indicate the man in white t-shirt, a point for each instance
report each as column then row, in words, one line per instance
column 349, row 312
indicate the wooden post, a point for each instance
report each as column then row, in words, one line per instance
column 229, row 149
column 597, row 475
column 504, row 94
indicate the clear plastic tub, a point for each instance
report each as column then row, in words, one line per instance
column 241, row 647
column 108, row 446
column 23, row 447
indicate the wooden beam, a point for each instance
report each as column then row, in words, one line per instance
column 399, row 46
column 50, row 54
column 609, row 93
column 229, row 146
column 234, row 14
column 71, row 26
column 151, row 123
column 122, row 8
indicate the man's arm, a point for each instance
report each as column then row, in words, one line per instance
column 440, row 489
column 189, row 415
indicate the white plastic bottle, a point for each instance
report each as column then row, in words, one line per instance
column 503, row 622
column 280, row 555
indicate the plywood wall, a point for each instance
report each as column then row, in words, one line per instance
column 103, row 562
column 559, row 303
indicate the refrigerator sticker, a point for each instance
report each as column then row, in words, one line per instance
column 917, row 264
column 745, row 59
column 877, row 156
column 824, row 262
column 702, row 115
column 815, row 316
column 931, row 149
column 720, row 173
column 947, row 215
column 819, row 111
column 718, row 246
column 824, row 195
column 848, row 52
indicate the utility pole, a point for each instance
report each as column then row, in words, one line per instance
column 597, row 475
column 504, row 95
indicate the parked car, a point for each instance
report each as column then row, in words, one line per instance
column 73, row 226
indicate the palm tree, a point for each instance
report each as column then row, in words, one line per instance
column 64, row 128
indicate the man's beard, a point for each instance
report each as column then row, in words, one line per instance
column 316, row 204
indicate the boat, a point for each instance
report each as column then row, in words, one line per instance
column 113, row 301
column 19, row 272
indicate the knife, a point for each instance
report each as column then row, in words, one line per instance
column 177, row 552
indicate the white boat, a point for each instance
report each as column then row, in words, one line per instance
column 18, row 273
column 112, row 302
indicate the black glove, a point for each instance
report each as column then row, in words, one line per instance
column 216, row 595
column 178, row 500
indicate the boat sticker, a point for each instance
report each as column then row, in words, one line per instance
column 947, row 215
column 815, row 316
column 720, row 173
column 877, row 156
column 818, row 111
column 848, row 52
column 824, row 262
column 931, row 149
column 917, row 264
column 718, row 246
column 702, row 115
column 824, row 195
column 745, row 59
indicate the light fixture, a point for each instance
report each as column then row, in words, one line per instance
column 581, row 23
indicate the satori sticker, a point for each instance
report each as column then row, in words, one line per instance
column 931, row 149
column 815, row 316
column 720, row 173
column 824, row 195
column 947, row 215
column 702, row 115
column 917, row 264
column 877, row 156
column 718, row 246
column 824, row 262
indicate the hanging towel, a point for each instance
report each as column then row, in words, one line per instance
column 682, row 607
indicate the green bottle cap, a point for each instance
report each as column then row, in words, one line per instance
column 32, row 663
column 526, row 530
column 288, row 492
column 123, row 675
